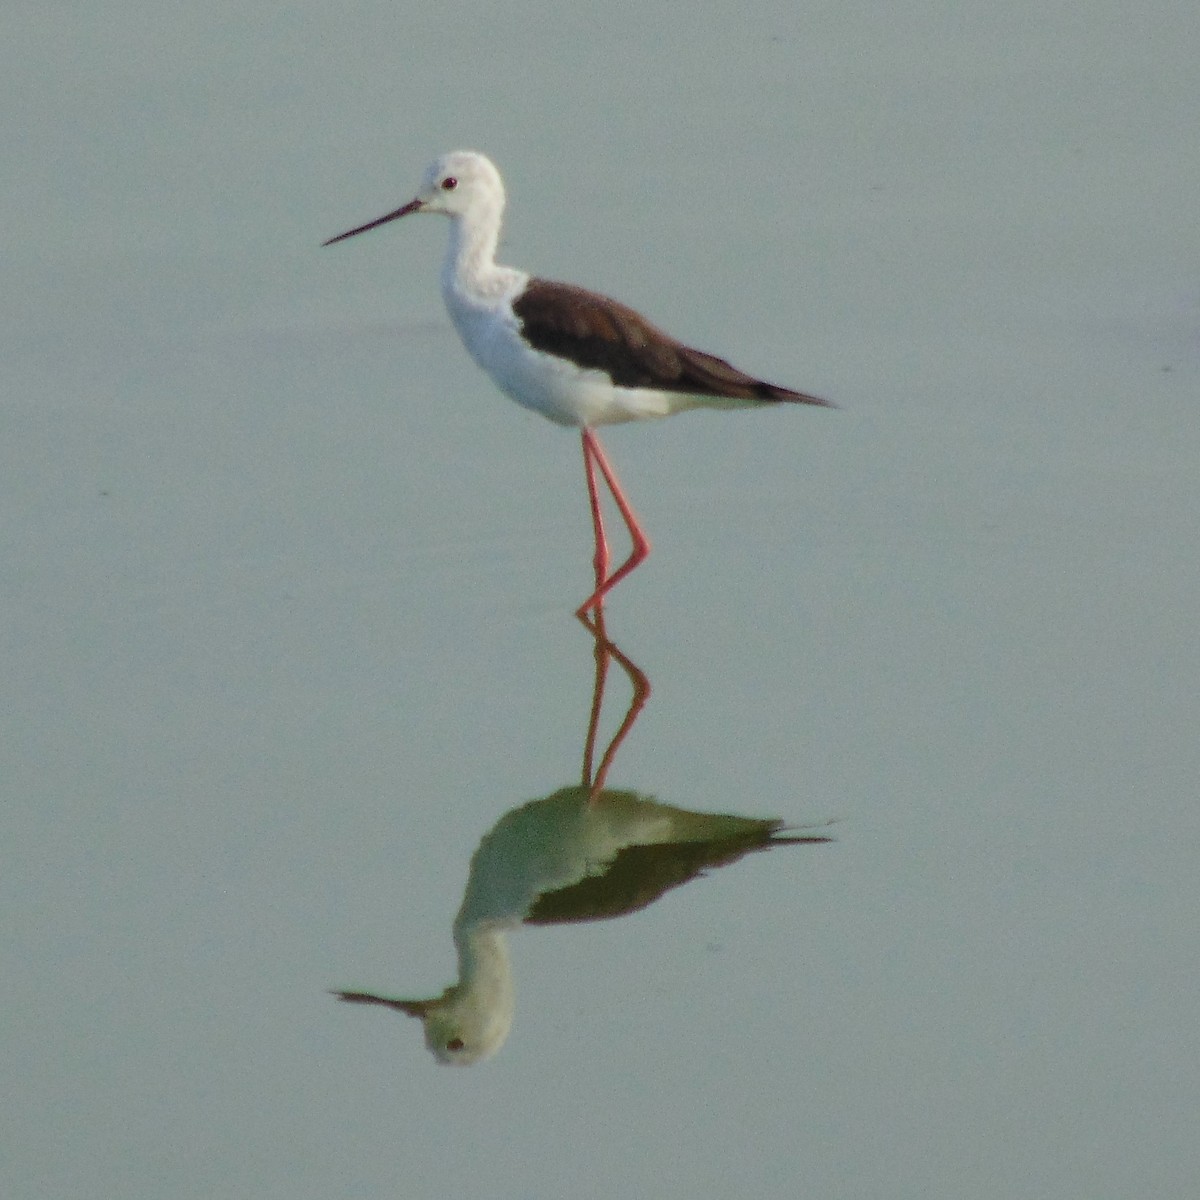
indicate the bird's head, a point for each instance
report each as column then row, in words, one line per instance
column 458, row 183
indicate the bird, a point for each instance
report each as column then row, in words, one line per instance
column 579, row 358
column 586, row 852
column 573, row 856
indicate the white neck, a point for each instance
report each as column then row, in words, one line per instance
column 484, row 995
column 471, row 255
column 469, row 271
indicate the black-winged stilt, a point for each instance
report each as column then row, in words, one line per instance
column 576, row 357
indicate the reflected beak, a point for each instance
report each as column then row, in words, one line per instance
column 412, row 1008
column 411, row 207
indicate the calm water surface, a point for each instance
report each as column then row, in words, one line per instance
column 291, row 680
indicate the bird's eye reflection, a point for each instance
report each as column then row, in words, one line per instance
column 449, row 183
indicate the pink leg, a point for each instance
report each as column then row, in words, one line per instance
column 593, row 454
column 600, row 560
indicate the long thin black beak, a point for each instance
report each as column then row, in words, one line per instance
column 411, row 207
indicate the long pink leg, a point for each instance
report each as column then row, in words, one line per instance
column 593, row 453
column 600, row 560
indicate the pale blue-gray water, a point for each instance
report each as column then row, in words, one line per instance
column 287, row 589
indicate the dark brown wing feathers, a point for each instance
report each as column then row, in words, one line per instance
column 602, row 334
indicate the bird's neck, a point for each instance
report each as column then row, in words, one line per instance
column 485, row 981
column 470, row 268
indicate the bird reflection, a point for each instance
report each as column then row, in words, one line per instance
column 584, row 853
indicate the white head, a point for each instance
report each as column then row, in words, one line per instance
column 463, row 1026
column 458, row 183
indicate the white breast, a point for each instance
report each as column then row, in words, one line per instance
column 554, row 387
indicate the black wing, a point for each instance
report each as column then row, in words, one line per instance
column 602, row 334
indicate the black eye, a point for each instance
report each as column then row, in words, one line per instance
column 454, row 1043
column 449, row 183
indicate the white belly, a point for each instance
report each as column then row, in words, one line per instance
column 552, row 386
